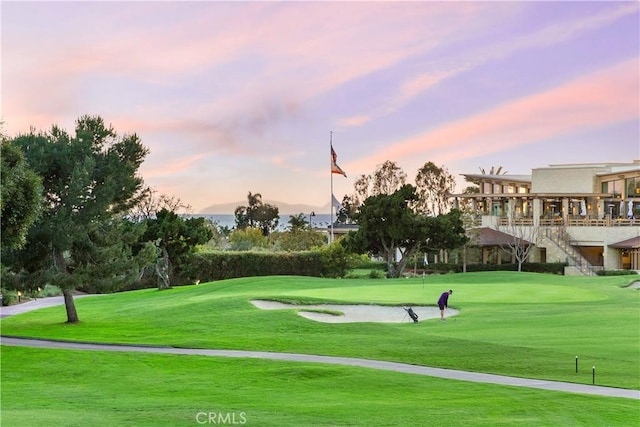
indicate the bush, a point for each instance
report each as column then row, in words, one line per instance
column 50, row 291
column 542, row 267
column 298, row 240
column 376, row 274
column 334, row 260
column 616, row 272
column 245, row 239
column 11, row 280
column 9, row 296
column 370, row 264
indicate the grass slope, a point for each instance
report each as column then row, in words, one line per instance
column 510, row 323
column 520, row 324
column 86, row 388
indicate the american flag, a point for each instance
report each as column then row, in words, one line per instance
column 334, row 166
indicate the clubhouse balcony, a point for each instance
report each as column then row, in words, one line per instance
column 581, row 214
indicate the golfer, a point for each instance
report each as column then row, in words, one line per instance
column 443, row 302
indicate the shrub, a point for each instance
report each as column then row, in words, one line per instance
column 298, row 240
column 616, row 272
column 245, row 239
column 376, row 274
column 50, row 291
column 9, row 296
column 11, row 280
column 335, row 262
column 370, row 264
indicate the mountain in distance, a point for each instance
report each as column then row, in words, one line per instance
column 283, row 208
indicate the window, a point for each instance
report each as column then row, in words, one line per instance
column 633, row 186
column 614, row 187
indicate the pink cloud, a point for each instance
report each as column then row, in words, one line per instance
column 421, row 83
column 354, row 121
column 552, row 34
column 166, row 50
column 174, row 167
column 602, row 98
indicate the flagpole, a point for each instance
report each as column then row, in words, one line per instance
column 331, row 197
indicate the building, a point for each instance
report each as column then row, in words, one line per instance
column 587, row 215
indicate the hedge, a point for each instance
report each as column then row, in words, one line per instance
column 616, row 272
column 532, row 267
column 330, row 261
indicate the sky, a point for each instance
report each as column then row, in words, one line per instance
column 239, row 97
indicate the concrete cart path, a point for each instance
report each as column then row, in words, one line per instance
column 35, row 304
column 348, row 361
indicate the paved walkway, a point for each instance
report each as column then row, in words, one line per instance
column 35, row 304
column 30, row 305
column 348, row 361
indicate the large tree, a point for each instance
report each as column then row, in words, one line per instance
column 434, row 184
column 175, row 238
column 389, row 227
column 298, row 222
column 346, row 210
column 150, row 202
column 521, row 241
column 446, row 232
column 21, row 196
column 110, row 257
column 89, row 179
column 386, row 179
column 257, row 215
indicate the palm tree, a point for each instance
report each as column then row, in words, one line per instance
column 494, row 171
column 298, row 222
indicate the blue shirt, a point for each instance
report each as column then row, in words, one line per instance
column 444, row 299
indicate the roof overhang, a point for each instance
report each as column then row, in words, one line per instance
column 536, row 195
column 489, row 237
column 632, row 243
column 521, row 179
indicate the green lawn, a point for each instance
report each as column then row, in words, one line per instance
column 520, row 324
column 76, row 388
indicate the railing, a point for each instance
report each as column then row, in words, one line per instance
column 560, row 238
column 548, row 222
column 573, row 222
column 472, row 222
column 528, row 221
column 522, row 221
column 603, row 222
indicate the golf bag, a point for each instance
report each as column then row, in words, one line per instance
column 411, row 314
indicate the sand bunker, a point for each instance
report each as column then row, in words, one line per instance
column 356, row 313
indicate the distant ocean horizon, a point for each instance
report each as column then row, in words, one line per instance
column 229, row 220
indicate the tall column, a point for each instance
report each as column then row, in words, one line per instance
column 537, row 211
column 601, row 209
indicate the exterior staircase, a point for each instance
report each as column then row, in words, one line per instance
column 559, row 237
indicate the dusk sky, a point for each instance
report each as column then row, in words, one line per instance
column 238, row 97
